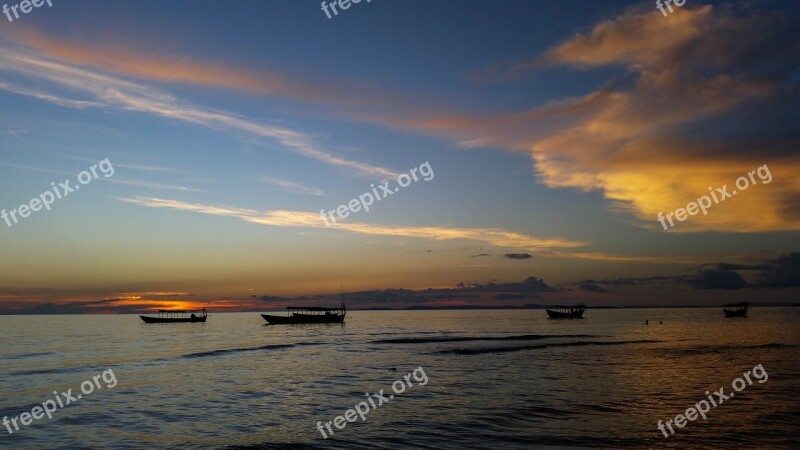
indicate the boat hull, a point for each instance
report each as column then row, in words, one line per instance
column 565, row 315
column 170, row 320
column 303, row 318
column 735, row 313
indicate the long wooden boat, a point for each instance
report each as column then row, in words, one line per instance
column 736, row 309
column 566, row 312
column 298, row 315
column 177, row 316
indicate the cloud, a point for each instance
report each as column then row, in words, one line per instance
column 590, row 286
column 517, row 256
column 292, row 186
column 512, row 296
column 283, row 218
column 155, row 65
column 116, row 179
column 781, row 272
column 718, row 279
column 699, row 99
column 194, row 207
column 66, row 102
column 119, row 165
column 165, row 294
column 271, row 299
column 108, row 91
column 479, row 255
column 494, row 236
column 530, row 285
column 687, row 109
column 730, row 266
column 150, row 184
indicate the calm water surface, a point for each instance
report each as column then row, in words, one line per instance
column 235, row 383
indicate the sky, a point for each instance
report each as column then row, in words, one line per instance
column 549, row 143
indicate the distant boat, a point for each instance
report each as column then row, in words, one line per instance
column 736, row 309
column 177, row 316
column 298, row 315
column 566, row 312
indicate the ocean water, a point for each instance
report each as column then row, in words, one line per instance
column 500, row 379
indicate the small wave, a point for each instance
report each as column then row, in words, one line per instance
column 246, row 349
column 26, row 355
column 477, row 351
column 59, row 370
column 523, row 337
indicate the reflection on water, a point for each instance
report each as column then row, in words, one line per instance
column 502, row 379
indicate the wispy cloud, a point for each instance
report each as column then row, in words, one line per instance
column 493, row 236
column 38, row 169
column 110, row 91
column 61, row 101
column 143, row 167
column 150, row 184
column 116, row 179
column 283, row 218
column 193, row 207
column 124, row 60
column 292, row 186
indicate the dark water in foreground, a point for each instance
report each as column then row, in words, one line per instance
column 601, row 382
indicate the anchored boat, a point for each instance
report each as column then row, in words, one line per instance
column 177, row 316
column 736, row 309
column 297, row 315
column 566, row 312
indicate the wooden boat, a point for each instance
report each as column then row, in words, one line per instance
column 566, row 312
column 177, row 316
column 736, row 309
column 297, row 315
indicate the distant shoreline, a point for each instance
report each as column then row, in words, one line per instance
column 450, row 308
column 536, row 306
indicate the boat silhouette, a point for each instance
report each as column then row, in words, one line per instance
column 736, row 309
column 566, row 312
column 298, row 315
column 177, row 316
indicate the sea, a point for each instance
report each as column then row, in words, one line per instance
column 488, row 379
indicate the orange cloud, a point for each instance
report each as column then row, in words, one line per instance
column 123, row 60
column 709, row 97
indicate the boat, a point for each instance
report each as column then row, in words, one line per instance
column 736, row 309
column 177, row 316
column 566, row 312
column 298, row 315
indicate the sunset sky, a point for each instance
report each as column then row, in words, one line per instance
column 557, row 132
